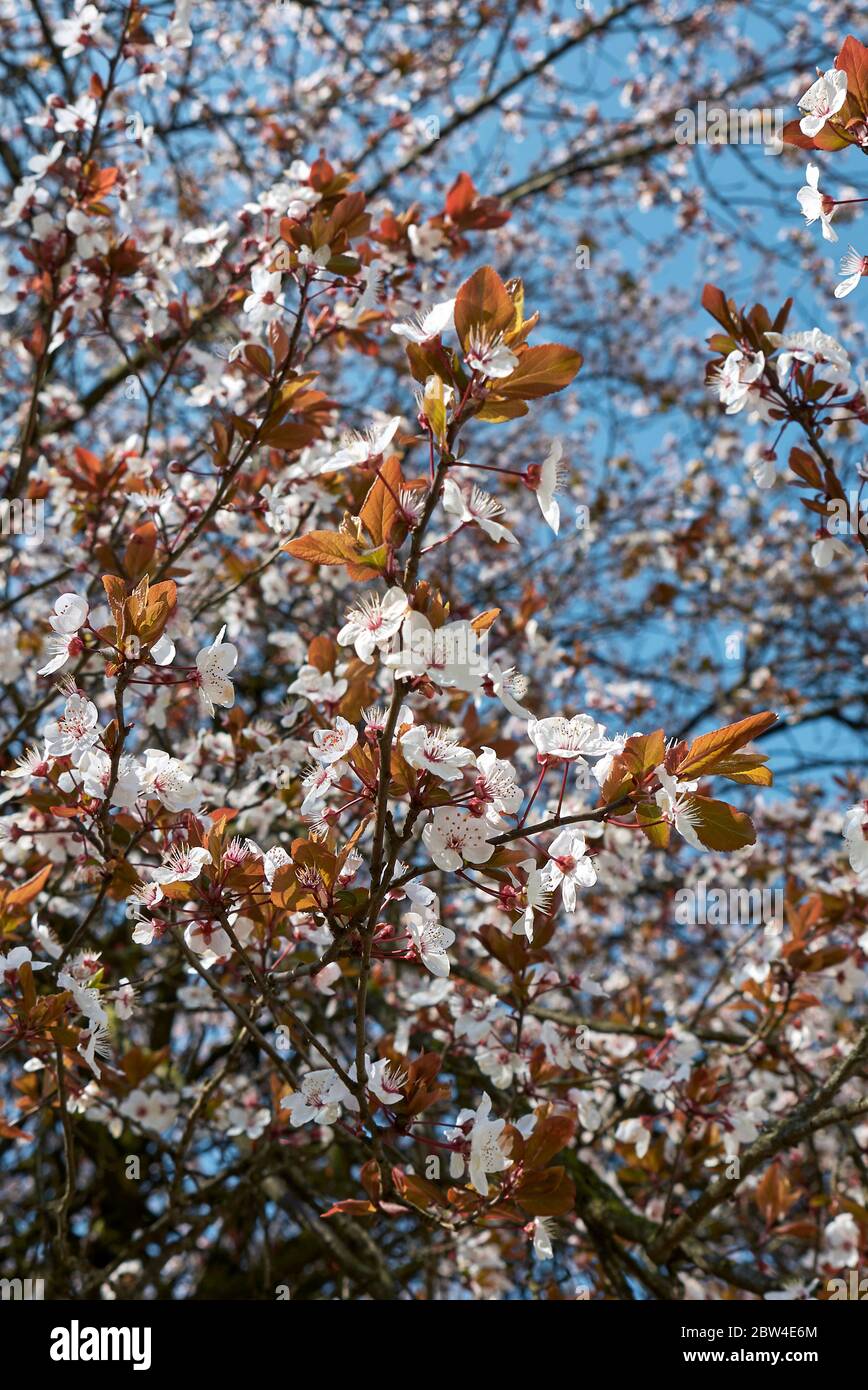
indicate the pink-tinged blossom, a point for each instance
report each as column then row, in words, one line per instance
column 568, row 740
column 212, row 241
column 265, row 302
column 82, row 30
column 529, row 897
column 320, row 687
column 75, row 731
column 124, row 1000
column 320, row 1098
column 62, row 648
column 362, row 448
column 154, row 1110
column 826, row 549
column 97, row 778
column 324, row 980
column 436, row 751
column 479, row 507
column 208, row 939
column 383, row 1079
column 489, row 355
column 170, row 780
column 738, row 378
column 509, row 686
column 317, row 784
column 823, row 100
column 855, row 831
column 817, row 206
column 372, row 622
column 637, row 1133
column 841, row 1241
column 569, row 866
column 487, row 1147
column 542, row 1237
column 332, row 745
column 39, row 165
column 676, row 806
column 427, row 324
column 274, row 859
column 812, row 349
column 213, row 665
column 452, row 655
column 496, row 787
column 183, row 864
column 545, row 480
column 431, row 941
column 454, row 837
column 70, row 613
column 11, row 963
column 314, row 261
column 853, row 267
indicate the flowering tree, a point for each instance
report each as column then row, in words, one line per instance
column 804, row 378
column 373, row 894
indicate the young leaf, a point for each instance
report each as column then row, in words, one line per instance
column 25, row 892
column 719, row 826
column 654, row 828
column 707, row 751
column 541, row 371
column 714, row 302
column 482, row 305
column 323, row 548
column 548, row 1138
column 380, row 507
column 853, row 59
column 549, row 1193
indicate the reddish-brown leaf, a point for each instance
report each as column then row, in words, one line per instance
column 710, row 749
column 323, row 548
column 482, row 305
column 549, row 1193
column 380, row 508
column 720, row 826
column 26, row 892
column 853, row 59
column 541, row 371
column 548, row 1138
